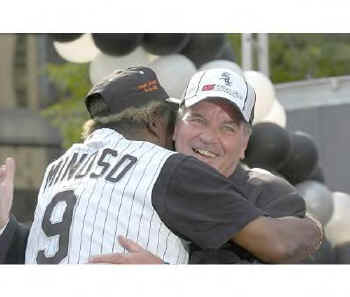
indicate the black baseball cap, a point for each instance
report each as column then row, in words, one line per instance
column 132, row 87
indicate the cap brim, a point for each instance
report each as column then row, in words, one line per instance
column 196, row 99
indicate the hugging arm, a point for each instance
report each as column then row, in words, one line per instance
column 279, row 245
column 281, row 240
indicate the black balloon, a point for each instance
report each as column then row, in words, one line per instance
column 120, row 44
column 342, row 252
column 164, row 43
column 317, row 175
column 269, row 146
column 303, row 158
column 65, row 37
column 203, row 48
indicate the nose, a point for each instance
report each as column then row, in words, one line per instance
column 209, row 136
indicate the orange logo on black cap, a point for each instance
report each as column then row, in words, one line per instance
column 148, row 86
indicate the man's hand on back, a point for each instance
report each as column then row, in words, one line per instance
column 136, row 255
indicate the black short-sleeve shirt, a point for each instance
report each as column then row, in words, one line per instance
column 196, row 202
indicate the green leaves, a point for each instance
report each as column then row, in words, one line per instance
column 69, row 113
column 303, row 56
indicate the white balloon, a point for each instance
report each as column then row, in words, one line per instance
column 173, row 71
column 318, row 199
column 276, row 115
column 338, row 228
column 104, row 65
column 81, row 50
column 222, row 64
column 265, row 93
column 152, row 58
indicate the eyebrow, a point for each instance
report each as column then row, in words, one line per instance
column 236, row 122
column 196, row 114
column 233, row 122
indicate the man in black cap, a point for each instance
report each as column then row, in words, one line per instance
column 121, row 183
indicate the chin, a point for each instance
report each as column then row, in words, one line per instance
column 208, row 162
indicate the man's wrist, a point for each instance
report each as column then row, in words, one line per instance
column 317, row 226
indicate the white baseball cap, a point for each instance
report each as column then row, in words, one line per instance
column 220, row 83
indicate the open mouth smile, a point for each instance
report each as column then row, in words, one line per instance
column 204, row 153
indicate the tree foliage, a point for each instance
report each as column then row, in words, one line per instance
column 295, row 57
column 69, row 113
column 303, row 56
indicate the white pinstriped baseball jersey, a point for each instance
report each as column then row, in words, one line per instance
column 96, row 191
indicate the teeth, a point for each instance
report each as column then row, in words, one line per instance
column 205, row 153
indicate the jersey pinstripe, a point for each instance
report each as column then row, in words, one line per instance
column 96, row 191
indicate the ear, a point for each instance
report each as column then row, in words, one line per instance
column 158, row 132
column 245, row 140
column 155, row 126
column 175, row 133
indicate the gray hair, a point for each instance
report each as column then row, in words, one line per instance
column 133, row 120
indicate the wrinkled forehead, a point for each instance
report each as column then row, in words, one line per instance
column 228, row 107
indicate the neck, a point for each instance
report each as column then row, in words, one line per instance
column 139, row 135
column 231, row 171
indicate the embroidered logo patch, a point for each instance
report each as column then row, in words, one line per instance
column 226, row 77
column 148, row 86
column 208, row 87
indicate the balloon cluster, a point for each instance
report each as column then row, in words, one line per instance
column 174, row 57
column 291, row 155
column 294, row 156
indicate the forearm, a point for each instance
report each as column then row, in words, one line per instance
column 307, row 239
column 280, row 240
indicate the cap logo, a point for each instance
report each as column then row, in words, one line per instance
column 226, row 77
column 148, row 86
column 208, row 87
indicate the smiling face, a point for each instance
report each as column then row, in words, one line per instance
column 213, row 132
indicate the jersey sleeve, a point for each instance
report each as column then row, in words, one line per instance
column 13, row 242
column 199, row 204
